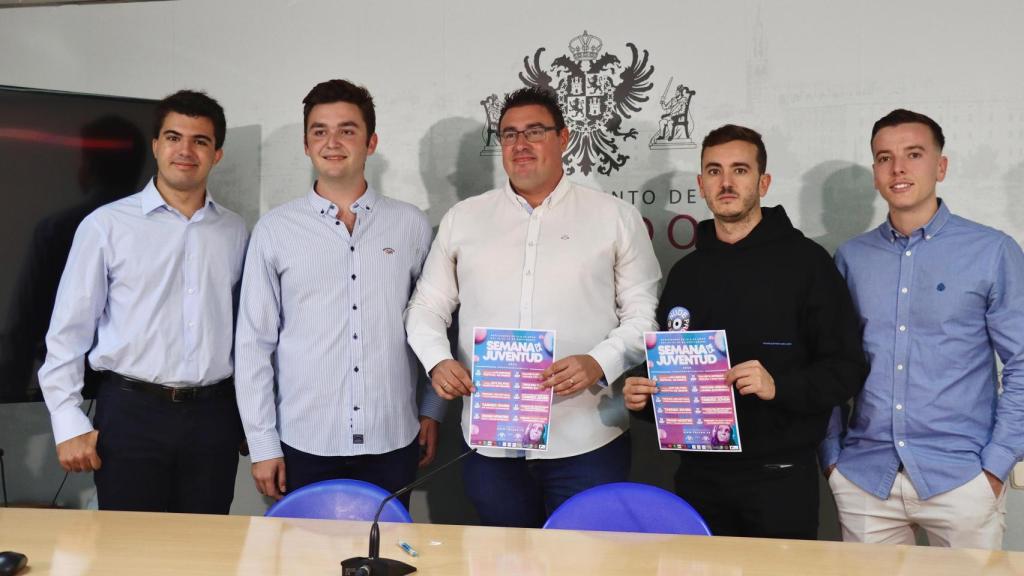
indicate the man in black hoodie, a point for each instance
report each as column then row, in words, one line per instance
column 794, row 342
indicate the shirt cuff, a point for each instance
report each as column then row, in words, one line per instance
column 69, row 422
column 433, row 406
column 610, row 361
column 828, row 453
column 998, row 461
column 435, row 356
column 266, row 446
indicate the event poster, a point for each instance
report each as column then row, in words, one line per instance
column 695, row 408
column 511, row 407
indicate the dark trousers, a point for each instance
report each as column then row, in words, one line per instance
column 769, row 498
column 390, row 470
column 522, row 493
column 161, row 456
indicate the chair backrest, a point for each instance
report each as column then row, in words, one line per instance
column 339, row 500
column 628, row 507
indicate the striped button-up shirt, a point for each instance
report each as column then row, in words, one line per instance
column 146, row 293
column 321, row 358
column 580, row 264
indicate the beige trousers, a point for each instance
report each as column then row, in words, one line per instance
column 969, row 516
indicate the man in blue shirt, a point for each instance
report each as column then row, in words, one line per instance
column 148, row 295
column 930, row 441
column 327, row 386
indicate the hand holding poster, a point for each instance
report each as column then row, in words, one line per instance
column 511, row 407
column 695, row 408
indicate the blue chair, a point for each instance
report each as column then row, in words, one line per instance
column 339, row 500
column 628, row 507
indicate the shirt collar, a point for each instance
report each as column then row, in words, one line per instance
column 151, row 198
column 367, row 202
column 939, row 219
column 556, row 196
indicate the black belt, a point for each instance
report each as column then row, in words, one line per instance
column 220, row 389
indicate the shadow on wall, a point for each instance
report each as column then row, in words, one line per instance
column 451, row 166
column 376, row 166
column 1014, row 207
column 286, row 171
column 840, row 196
column 452, row 169
column 235, row 181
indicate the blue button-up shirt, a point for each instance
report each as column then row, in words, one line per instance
column 146, row 293
column 321, row 354
column 934, row 306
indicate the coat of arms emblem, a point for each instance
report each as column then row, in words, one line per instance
column 597, row 92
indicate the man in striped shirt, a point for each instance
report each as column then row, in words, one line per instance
column 327, row 386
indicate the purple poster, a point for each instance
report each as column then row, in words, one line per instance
column 695, row 408
column 511, row 407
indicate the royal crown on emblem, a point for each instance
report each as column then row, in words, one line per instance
column 585, row 47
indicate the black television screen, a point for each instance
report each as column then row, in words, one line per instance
column 62, row 155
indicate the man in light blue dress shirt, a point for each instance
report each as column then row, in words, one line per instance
column 148, row 295
column 931, row 441
column 327, row 386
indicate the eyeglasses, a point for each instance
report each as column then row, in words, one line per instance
column 532, row 134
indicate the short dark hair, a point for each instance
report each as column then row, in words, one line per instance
column 902, row 116
column 731, row 133
column 341, row 91
column 530, row 96
column 195, row 104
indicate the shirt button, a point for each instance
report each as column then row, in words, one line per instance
column 907, row 252
column 354, row 307
column 899, row 366
column 191, row 324
column 903, row 290
column 337, row 223
column 527, row 272
column 352, row 248
column 928, row 237
column 902, row 327
column 353, row 276
column 901, row 443
column 356, row 369
column 191, row 290
column 899, row 406
column 355, row 336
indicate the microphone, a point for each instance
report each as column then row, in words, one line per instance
column 372, row 564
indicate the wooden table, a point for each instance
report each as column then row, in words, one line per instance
column 74, row 542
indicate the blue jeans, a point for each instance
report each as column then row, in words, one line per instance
column 522, row 493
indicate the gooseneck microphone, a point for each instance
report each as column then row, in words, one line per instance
column 372, row 564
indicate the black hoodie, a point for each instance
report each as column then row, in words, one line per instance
column 781, row 301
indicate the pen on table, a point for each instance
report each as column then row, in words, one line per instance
column 407, row 548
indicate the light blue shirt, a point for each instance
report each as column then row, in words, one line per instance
column 322, row 359
column 146, row 293
column 934, row 306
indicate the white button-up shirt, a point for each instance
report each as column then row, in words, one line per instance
column 580, row 263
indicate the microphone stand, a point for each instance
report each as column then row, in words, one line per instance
column 373, row 564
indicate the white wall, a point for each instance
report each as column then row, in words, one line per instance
column 811, row 76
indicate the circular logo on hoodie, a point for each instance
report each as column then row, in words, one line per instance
column 678, row 319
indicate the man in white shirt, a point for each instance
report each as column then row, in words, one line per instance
column 541, row 253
